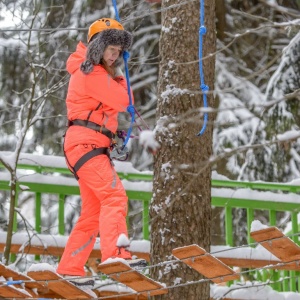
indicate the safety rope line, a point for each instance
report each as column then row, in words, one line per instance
column 203, row 86
column 204, row 280
column 130, row 107
column 280, row 264
column 124, row 294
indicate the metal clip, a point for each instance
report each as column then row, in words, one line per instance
column 119, row 153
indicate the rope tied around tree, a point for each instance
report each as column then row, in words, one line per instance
column 204, row 88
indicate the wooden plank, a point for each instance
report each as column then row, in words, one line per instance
column 204, row 263
column 277, row 243
column 122, row 273
column 267, row 234
column 61, row 287
column 259, row 263
column 120, row 295
column 58, row 251
column 9, row 273
column 12, row 292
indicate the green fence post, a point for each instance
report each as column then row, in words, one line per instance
column 38, row 207
column 228, row 226
column 295, row 238
column 250, row 218
column 265, row 275
column 273, row 274
column 228, row 231
column 61, row 214
column 272, row 217
column 294, row 218
column 293, row 281
column 285, row 281
column 38, row 217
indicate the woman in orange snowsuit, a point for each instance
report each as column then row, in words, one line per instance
column 96, row 95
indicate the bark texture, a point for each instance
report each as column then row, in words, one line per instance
column 181, row 206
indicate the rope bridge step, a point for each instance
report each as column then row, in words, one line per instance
column 277, row 243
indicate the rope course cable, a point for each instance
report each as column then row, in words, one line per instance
column 218, row 277
column 172, row 286
column 190, row 282
column 203, row 86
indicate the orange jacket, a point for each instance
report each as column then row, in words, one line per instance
column 96, row 97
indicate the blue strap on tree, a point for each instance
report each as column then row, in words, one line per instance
column 130, row 107
column 203, row 86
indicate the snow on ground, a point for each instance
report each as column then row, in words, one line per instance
column 250, row 290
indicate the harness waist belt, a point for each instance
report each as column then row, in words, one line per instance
column 93, row 126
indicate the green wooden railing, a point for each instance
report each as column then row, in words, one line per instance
column 51, row 176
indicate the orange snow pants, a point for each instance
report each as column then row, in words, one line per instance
column 103, row 211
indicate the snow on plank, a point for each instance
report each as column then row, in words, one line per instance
column 61, row 287
column 130, row 277
column 205, row 263
column 277, row 243
column 16, row 276
column 130, row 295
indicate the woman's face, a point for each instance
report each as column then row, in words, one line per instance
column 111, row 53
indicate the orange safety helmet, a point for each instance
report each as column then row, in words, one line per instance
column 103, row 24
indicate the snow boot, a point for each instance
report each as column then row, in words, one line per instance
column 81, row 282
column 137, row 263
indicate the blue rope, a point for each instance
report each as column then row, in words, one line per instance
column 116, row 10
column 130, row 107
column 11, row 282
column 203, row 86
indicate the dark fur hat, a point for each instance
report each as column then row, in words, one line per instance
column 99, row 43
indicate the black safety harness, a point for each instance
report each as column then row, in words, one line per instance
column 96, row 151
column 93, row 126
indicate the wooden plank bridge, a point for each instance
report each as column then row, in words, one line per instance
column 43, row 283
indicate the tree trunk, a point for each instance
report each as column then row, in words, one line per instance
column 181, row 206
column 221, row 19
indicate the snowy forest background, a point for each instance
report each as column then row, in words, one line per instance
column 257, row 82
